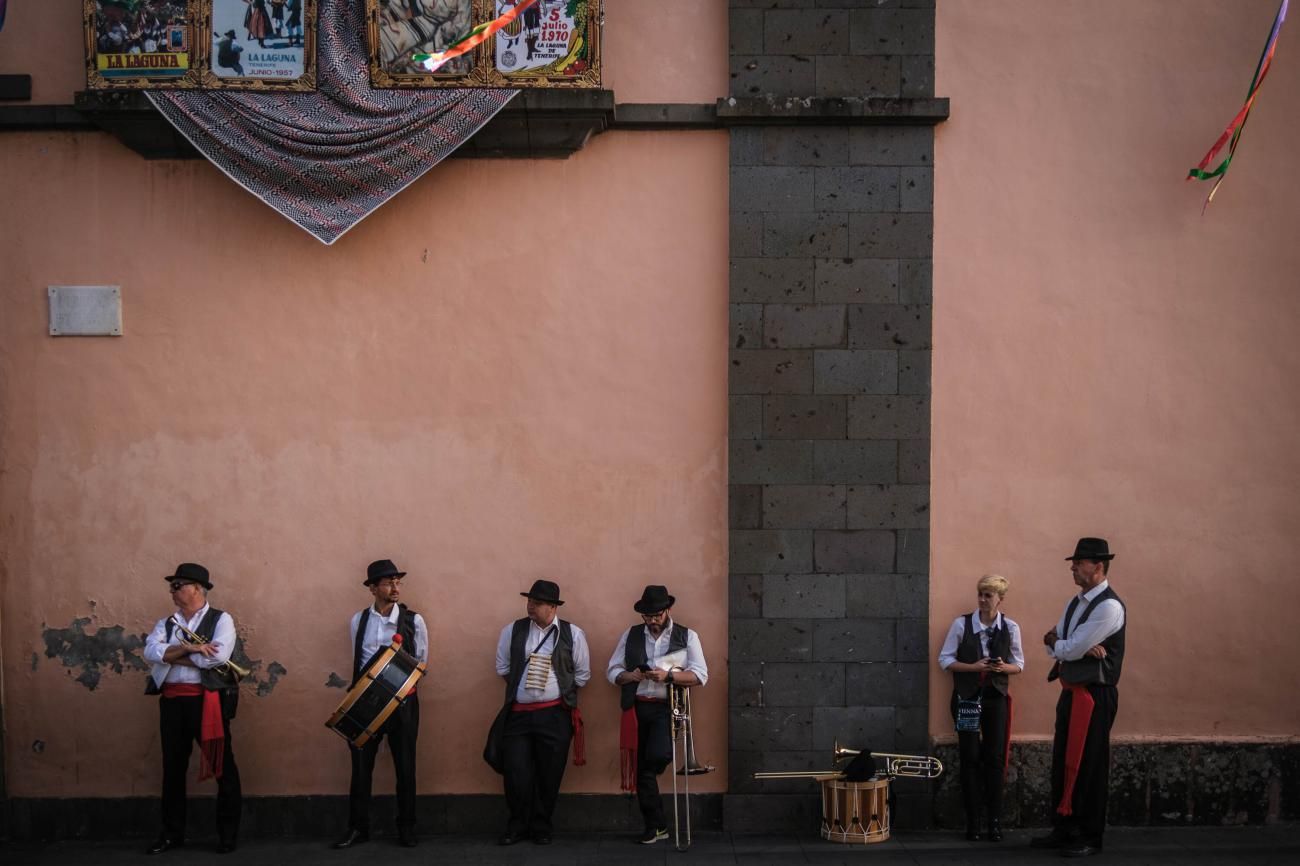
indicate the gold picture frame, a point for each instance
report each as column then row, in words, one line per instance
column 553, row 43
column 276, row 53
column 140, row 44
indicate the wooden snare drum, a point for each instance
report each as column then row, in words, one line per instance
column 855, row 812
column 383, row 687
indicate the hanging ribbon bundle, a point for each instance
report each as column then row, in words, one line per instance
column 472, row 39
column 1232, row 134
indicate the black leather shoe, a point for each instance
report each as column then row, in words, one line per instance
column 354, row 837
column 226, row 846
column 1080, row 849
column 510, row 837
column 406, row 837
column 542, row 839
column 1051, row 840
column 995, row 830
column 165, row 844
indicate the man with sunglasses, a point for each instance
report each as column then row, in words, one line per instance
column 650, row 658
column 198, row 701
column 372, row 630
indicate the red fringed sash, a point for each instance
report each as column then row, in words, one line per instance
column 627, row 737
column 1081, row 706
column 212, row 733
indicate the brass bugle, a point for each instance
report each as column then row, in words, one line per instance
column 229, row 667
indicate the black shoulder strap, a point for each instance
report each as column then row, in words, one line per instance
column 169, row 628
column 566, row 634
column 1069, row 612
column 356, row 648
column 970, row 625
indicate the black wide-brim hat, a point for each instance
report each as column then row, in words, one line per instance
column 381, row 568
column 654, row 598
column 1092, row 548
column 191, row 572
column 545, row 591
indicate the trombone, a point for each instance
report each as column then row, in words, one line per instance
column 229, row 669
column 679, row 702
column 906, row 766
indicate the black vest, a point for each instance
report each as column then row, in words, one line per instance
column 634, row 656
column 405, row 628
column 561, row 660
column 206, row 629
column 1088, row 670
column 967, row 683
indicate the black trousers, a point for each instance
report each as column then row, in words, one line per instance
column 654, row 752
column 981, row 756
column 180, row 722
column 536, row 748
column 1092, row 786
column 401, row 730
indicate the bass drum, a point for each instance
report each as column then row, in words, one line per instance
column 384, row 686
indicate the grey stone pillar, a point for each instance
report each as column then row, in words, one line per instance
column 832, row 110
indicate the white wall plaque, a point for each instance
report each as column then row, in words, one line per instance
column 85, row 311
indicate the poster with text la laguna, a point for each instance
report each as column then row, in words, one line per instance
column 139, row 43
column 259, row 44
column 552, row 43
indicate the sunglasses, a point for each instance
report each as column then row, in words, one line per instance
column 176, row 585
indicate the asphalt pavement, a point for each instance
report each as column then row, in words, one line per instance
column 1164, row 846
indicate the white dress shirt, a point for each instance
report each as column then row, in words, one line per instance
column 379, row 634
column 223, row 636
column 1106, row 619
column 581, row 660
column 658, row 658
column 948, row 654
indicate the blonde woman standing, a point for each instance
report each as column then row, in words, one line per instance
column 982, row 652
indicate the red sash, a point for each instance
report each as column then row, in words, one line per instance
column 1081, row 706
column 212, row 734
column 627, row 736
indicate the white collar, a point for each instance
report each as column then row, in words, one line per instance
column 979, row 624
column 200, row 613
column 392, row 614
column 1095, row 591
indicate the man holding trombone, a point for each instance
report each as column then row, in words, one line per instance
column 199, row 684
column 649, row 660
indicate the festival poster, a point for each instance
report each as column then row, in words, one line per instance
column 553, row 43
column 259, row 44
column 401, row 29
column 139, row 44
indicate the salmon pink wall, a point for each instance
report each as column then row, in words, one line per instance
column 483, row 398
column 1108, row 360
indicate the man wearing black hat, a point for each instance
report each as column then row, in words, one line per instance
column 1088, row 646
column 188, row 650
column 649, row 658
column 544, row 661
column 372, row 630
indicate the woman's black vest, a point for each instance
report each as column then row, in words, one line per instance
column 967, row 683
column 561, row 661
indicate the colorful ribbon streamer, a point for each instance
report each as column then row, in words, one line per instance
column 472, row 39
column 1238, row 124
